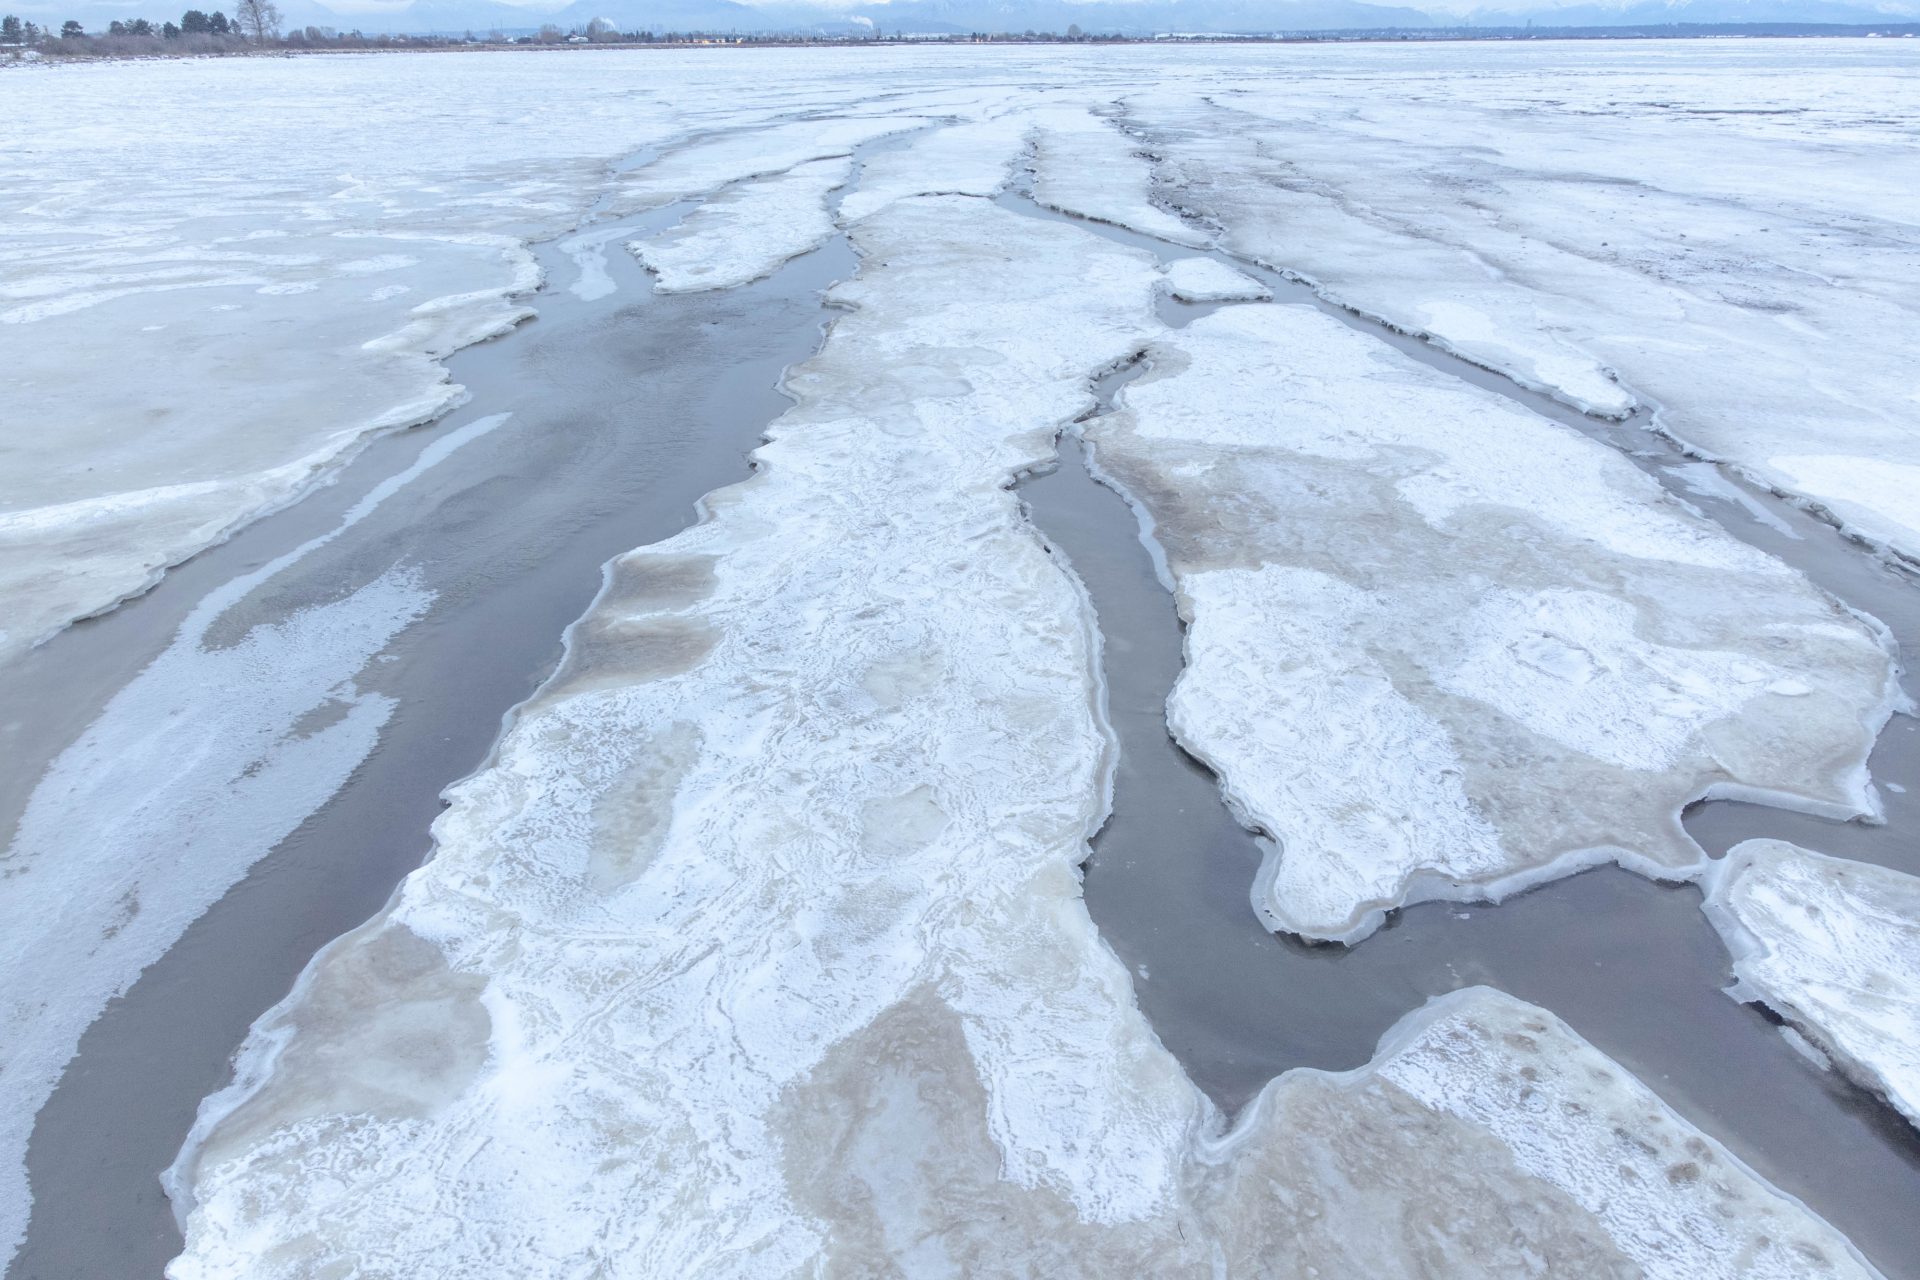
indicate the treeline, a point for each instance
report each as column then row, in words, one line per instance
column 255, row 25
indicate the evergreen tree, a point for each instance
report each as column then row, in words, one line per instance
column 10, row 30
column 169, row 31
column 194, row 23
column 71, row 30
column 217, row 23
column 139, row 27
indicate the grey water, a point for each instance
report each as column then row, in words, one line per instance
column 625, row 411
column 1630, row 964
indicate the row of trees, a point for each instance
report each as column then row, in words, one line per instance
column 253, row 21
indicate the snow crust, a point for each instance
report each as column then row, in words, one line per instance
column 746, row 231
column 170, row 795
column 972, row 158
column 1722, row 233
column 1210, row 280
column 1083, row 164
column 1833, row 946
column 1442, row 647
column 758, row 948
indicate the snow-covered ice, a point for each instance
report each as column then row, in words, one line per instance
column 758, row 949
column 868, row 635
column 1085, row 165
column 1832, row 946
column 170, row 796
column 746, row 231
column 971, row 158
column 1210, row 280
column 1722, row 231
column 1441, row 647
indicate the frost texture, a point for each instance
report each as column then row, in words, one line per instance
column 1209, row 280
column 759, row 949
column 170, row 796
column 1834, row 947
column 746, row 231
column 1724, row 234
column 1441, row 647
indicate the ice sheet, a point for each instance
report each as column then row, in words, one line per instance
column 1083, row 164
column 254, row 308
column 746, row 231
column 970, row 158
column 758, row 948
column 1209, row 280
column 1727, row 228
column 835, row 744
column 1832, row 946
column 1441, row 647
column 170, row 796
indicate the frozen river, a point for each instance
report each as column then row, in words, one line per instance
column 762, row 886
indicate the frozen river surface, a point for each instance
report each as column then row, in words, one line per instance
column 1512, row 454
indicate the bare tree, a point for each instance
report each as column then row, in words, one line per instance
column 258, row 20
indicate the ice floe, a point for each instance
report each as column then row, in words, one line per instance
column 746, row 231
column 209, row 757
column 1084, row 165
column 758, row 948
column 1724, row 236
column 1832, row 946
column 1441, row 647
column 1210, row 280
column 972, row 158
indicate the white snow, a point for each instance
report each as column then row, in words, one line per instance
column 1834, row 947
column 1210, row 280
column 973, row 158
column 758, row 947
column 1399, row 585
column 1084, row 165
column 1727, row 226
column 746, row 231
column 171, row 794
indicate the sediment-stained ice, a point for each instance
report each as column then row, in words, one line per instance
column 758, row 948
column 833, row 745
column 170, row 796
column 1722, row 234
column 1210, row 280
column 1832, row 946
column 746, row 231
column 1441, row 647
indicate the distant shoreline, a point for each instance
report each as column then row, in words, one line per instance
column 101, row 47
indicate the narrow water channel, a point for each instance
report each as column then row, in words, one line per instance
column 625, row 408
column 1630, row 964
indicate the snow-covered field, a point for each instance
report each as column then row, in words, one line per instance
column 758, row 946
